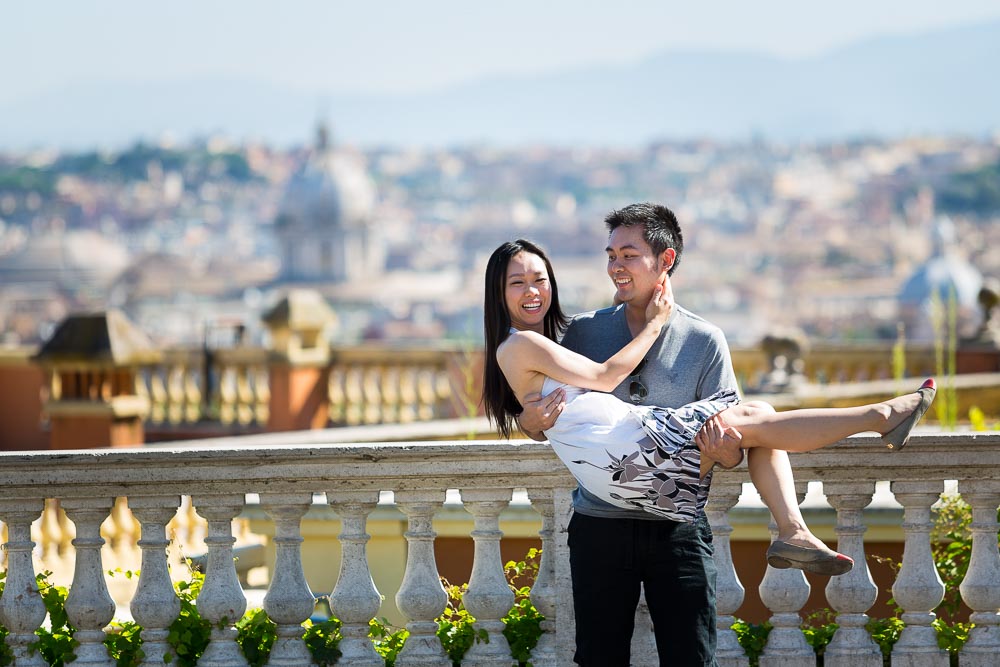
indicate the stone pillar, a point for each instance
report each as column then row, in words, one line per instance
column 221, row 600
column 489, row 597
column 355, row 599
column 21, row 607
column 288, row 601
column 89, row 606
column 562, row 499
column 421, row 597
column 298, row 371
column 785, row 592
column 979, row 588
column 729, row 591
column 93, row 361
column 543, row 592
column 851, row 595
column 918, row 588
column 155, row 605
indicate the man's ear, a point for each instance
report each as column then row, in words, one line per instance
column 667, row 257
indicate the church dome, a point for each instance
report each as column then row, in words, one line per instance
column 332, row 189
column 946, row 272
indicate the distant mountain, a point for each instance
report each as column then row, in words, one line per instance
column 938, row 82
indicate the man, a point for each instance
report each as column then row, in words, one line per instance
column 614, row 550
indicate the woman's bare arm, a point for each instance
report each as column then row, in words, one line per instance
column 527, row 353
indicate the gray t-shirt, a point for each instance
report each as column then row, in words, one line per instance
column 688, row 362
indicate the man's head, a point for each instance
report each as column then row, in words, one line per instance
column 659, row 228
column 644, row 241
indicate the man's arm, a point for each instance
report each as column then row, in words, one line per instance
column 540, row 413
column 715, row 440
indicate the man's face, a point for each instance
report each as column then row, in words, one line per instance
column 633, row 267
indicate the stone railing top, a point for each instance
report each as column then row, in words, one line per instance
column 435, row 465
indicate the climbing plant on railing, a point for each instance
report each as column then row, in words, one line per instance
column 189, row 634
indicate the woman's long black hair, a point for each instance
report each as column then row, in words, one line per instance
column 498, row 398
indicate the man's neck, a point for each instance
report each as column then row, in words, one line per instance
column 635, row 317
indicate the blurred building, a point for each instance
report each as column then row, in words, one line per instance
column 325, row 221
column 946, row 281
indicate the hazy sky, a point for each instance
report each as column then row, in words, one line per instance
column 381, row 45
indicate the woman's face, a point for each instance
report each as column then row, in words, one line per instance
column 528, row 292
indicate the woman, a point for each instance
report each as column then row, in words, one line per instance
column 644, row 456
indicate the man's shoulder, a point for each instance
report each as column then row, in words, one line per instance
column 596, row 316
column 594, row 320
column 696, row 324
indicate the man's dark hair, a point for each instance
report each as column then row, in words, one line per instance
column 659, row 227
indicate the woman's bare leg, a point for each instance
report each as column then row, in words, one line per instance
column 812, row 428
column 771, row 473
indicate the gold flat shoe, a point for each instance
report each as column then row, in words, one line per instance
column 897, row 438
column 783, row 555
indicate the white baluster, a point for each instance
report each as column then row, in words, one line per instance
column 729, row 591
column 21, row 608
column 918, row 588
column 980, row 590
column 854, row 593
column 221, row 600
column 421, row 597
column 89, row 606
column 543, row 591
column 289, row 602
column 785, row 592
column 154, row 605
column 489, row 597
column 562, row 499
column 355, row 599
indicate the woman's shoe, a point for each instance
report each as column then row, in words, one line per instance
column 896, row 438
column 783, row 555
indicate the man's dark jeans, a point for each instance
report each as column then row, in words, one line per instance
column 610, row 558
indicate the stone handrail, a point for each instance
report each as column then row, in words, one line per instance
column 366, row 385
column 287, row 478
column 372, row 383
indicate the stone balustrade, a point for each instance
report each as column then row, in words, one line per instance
column 365, row 385
column 195, row 392
column 349, row 478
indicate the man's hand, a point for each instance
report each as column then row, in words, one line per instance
column 720, row 443
column 540, row 414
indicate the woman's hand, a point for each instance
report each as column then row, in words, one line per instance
column 720, row 443
column 662, row 303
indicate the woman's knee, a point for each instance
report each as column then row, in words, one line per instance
column 758, row 407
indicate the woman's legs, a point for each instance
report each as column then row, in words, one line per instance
column 812, row 428
column 771, row 473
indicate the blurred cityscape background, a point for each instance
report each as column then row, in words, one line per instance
column 258, row 225
column 191, row 165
